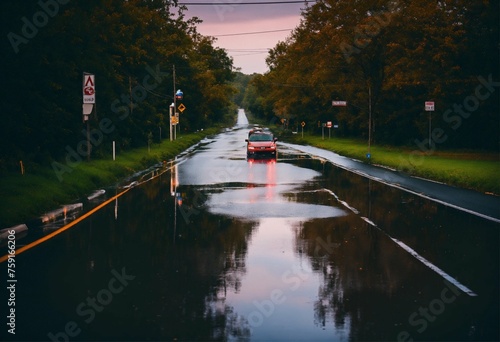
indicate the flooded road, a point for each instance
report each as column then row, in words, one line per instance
column 219, row 247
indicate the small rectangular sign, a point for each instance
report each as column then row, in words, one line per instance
column 429, row 106
column 87, row 108
column 339, row 103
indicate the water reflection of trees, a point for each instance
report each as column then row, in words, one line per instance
column 362, row 271
column 196, row 261
column 369, row 284
column 182, row 268
column 441, row 234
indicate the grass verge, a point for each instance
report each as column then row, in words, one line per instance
column 23, row 197
column 473, row 170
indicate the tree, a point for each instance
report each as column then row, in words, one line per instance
column 130, row 46
column 392, row 55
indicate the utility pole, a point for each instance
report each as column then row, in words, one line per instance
column 175, row 102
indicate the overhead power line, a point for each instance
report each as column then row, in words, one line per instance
column 249, row 54
column 244, row 3
column 247, row 33
column 249, row 50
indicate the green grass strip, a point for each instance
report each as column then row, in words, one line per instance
column 23, row 197
column 468, row 169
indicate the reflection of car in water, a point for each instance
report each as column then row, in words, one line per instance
column 261, row 144
column 264, row 161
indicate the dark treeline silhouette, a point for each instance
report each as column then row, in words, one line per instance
column 131, row 47
column 392, row 55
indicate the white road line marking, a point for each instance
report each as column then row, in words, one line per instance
column 412, row 252
column 433, row 267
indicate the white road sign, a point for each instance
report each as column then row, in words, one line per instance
column 429, row 106
column 88, row 89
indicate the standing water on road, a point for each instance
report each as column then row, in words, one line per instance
column 222, row 247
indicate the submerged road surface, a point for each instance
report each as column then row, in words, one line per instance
column 218, row 247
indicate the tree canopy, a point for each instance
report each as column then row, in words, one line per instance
column 131, row 47
column 391, row 56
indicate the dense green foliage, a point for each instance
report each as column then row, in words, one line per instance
column 131, row 47
column 392, row 55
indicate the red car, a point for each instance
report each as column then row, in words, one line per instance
column 262, row 144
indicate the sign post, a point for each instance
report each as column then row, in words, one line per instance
column 179, row 95
column 429, row 107
column 329, row 125
column 369, row 154
column 170, row 116
column 88, row 103
column 335, row 104
column 302, row 124
column 174, row 106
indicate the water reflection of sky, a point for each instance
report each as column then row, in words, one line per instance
column 280, row 288
column 263, row 194
column 257, row 203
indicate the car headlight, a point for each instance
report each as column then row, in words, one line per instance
column 251, row 147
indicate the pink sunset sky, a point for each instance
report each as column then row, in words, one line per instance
column 226, row 17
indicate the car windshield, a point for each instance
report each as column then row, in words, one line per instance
column 261, row 137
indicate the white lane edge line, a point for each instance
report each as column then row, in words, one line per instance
column 472, row 212
column 417, row 256
column 436, row 269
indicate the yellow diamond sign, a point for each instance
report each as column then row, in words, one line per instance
column 181, row 107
